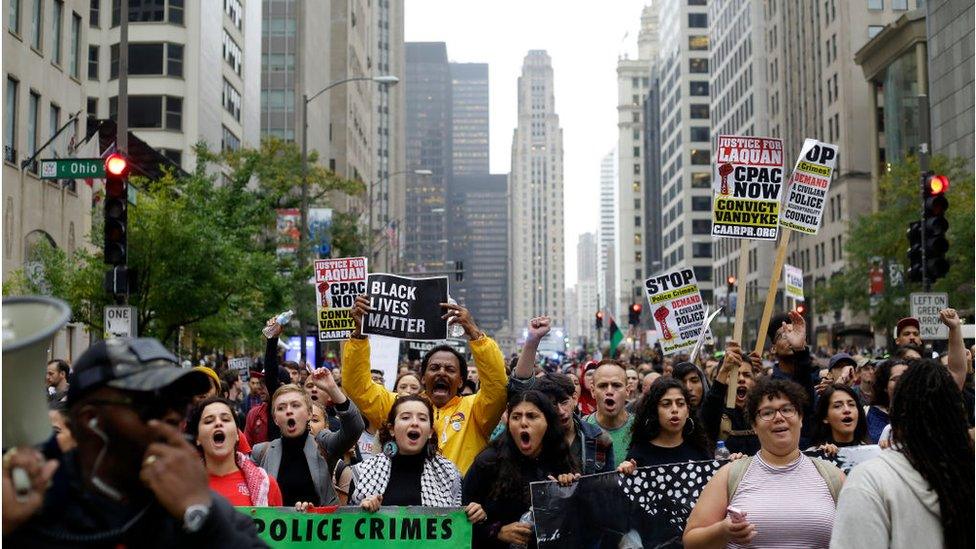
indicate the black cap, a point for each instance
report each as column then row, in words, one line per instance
column 840, row 359
column 775, row 323
column 139, row 364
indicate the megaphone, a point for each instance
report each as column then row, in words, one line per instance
column 29, row 325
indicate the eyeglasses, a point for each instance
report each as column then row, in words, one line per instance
column 767, row 414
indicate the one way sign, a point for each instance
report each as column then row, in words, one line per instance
column 120, row 321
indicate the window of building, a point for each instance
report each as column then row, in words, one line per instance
column 874, row 30
column 234, row 10
column 36, row 18
column 637, row 169
column 231, row 99
column 53, row 119
column 147, row 59
column 698, row 87
column 91, row 106
column 33, row 112
column 700, row 157
column 278, row 62
column 173, row 155
column 699, row 133
column 698, row 111
column 701, row 180
column 279, row 27
column 93, row 62
column 56, row 15
column 13, row 16
column 232, row 53
column 74, row 60
column 10, row 121
column 174, row 59
column 149, row 11
column 701, row 249
column 229, row 141
column 703, row 274
column 94, row 12
column 701, row 204
column 697, row 66
column 899, row 5
column 151, row 111
column 698, row 20
column 701, row 226
column 698, row 42
column 697, row 2
column 875, row 4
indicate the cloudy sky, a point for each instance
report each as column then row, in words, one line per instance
column 584, row 39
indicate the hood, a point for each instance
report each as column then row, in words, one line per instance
column 912, row 479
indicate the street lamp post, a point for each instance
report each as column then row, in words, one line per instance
column 387, row 80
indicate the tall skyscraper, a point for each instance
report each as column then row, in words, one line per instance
column 194, row 73
column 469, row 97
column 686, row 199
column 585, row 291
column 479, row 239
column 737, row 38
column 536, row 198
column 951, row 69
column 428, row 147
column 605, row 232
column 633, row 78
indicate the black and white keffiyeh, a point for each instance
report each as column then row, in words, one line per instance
column 440, row 482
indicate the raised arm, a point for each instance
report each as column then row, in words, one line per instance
column 538, row 328
column 957, row 347
column 336, row 443
column 372, row 398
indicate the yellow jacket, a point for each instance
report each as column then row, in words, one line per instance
column 463, row 425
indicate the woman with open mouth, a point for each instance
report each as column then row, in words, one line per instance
column 212, row 425
column 587, row 404
column 533, row 448
column 663, row 432
column 410, row 470
column 299, row 459
column 756, row 501
column 741, row 439
column 838, row 420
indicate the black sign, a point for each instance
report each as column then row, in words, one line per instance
column 406, row 308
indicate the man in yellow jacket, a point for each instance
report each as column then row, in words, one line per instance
column 463, row 423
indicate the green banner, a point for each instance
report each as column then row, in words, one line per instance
column 72, row 168
column 390, row 527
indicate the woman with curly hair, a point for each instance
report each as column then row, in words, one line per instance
column 664, row 431
column 533, row 448
column 920, row 492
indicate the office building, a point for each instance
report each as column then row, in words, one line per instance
column 585, row 291
column 951, row 70
column 469, row 97
column 605, row 232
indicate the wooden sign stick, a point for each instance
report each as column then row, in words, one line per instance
column 740, row 315
column 784, row 241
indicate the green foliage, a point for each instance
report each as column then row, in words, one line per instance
column 883, row 235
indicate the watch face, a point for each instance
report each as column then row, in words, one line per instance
column 194, row 517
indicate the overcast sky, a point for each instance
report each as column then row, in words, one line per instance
column 584, row 40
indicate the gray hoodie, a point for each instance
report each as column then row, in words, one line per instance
column 885, row 502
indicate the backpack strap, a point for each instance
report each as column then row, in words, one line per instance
column 737, row 470
column 831, row 474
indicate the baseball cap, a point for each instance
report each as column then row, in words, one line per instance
column 907, row 321
column 841, row 359
column 132, row 364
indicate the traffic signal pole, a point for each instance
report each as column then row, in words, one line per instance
column 923, row 164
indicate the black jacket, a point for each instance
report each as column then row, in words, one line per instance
column 74, row 517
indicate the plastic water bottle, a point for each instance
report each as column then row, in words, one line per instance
column 721, row 452
column 454, row 330
column 280, row 320
column 527, row 519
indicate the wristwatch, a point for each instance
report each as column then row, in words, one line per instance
column 194, row 517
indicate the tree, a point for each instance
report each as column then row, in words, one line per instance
column 882, row 235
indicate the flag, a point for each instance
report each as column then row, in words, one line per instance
column 616, row 336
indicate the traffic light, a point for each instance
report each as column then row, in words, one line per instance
column 801, row 308
column 633, row 314
column 915, row 251
column 935, row 224
column 730, row 282
column 116, row 205
column 599, row 320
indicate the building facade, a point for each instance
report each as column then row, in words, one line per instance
column 537, row 283
column 950, row 26
column 469, row 115
column 605, row 279
column 685, row 153
column 194, row 73
column 585, row 291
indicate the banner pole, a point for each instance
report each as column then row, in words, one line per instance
column 773, row 284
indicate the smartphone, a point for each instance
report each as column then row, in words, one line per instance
column 737, row 515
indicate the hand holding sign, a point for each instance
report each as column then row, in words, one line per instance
column 462, row 317
column 359, row 310
column 731, row 361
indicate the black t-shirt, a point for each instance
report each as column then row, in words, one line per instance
column 294, row 476
column 645, row 453
column 404, row 485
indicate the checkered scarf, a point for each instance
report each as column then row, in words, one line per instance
column 440, row 481
column 257, row 480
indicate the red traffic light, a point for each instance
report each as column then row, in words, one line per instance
column 599, row 314
column 730, row 280
column 116, row 165
column 802, row 309
column 636, row 307
column 937, row 184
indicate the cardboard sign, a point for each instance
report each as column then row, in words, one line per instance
column 677, row 309
column 337, row 283
column 807, row 189
column 351, row 527
column 406, row 308
column 746, row 187
column 926, row 307
column 793, row 281
column 239, row 363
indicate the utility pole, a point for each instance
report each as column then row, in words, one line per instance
column 924, row 136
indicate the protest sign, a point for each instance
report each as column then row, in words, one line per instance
column 239, row 363
column 406, row 308
column 926, row 307
column 288, row 231
column 793, row 280
column 646, row 509
column 337, row 283
column 808, row 185
column 747, row 184
column 677, row 309
column 351, row 527
column 384, row 355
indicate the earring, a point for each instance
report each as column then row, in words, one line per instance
column 390, row 449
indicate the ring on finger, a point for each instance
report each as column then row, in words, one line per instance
column 150, row 459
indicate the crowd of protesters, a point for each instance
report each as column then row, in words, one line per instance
column 144, row 452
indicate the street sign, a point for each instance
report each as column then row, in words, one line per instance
column 72, row 168
column 926, row 307
column 120, row 321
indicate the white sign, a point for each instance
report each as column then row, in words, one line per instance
column 239, row 363
column 926, row 307
column 793, row 281
column 677, row 309
column 120, row 321
column 807, row 190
